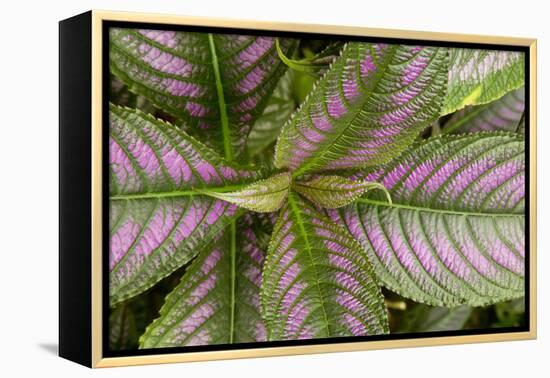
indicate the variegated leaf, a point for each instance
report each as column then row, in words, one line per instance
column 503, row 114
column 371, row 104
column 150, row 238
column 478, row 77
column 455, row 231
column 217, row 301
column 158, row 219
column 332, row 192
column 216, row 84
column 317, row 282
column 263, row 196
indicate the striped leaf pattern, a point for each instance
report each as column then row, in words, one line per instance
column 371, row 104
column 148, row 155
column 317, row 282
column 478, row 77
column 158, row 219
column 503, row 114
column 203, row 309
column 455, row 232
column 216, row 84
column 151, row 238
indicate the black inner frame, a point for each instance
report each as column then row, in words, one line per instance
column 106, row 25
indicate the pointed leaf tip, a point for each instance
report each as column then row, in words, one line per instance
column 332, row 192
column 263, row 196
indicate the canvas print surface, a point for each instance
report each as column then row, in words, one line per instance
column 266, row 188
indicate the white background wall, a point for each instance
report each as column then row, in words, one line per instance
column 29, row 175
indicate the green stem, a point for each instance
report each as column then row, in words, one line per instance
column 307, row 246
column 429, row 210
column 226, row 133
column 228, row 151
column 302, row 65
column 177, row 193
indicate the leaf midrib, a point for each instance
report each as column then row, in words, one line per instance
column 308, row 248
column 176, row 193
column 334, row 189
column 228, row 152
column 437, row 211
column 226, row 133
column 354, row 114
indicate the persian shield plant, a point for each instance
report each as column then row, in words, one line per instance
column 389, row 199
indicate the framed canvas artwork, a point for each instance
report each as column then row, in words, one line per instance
column 234, row 189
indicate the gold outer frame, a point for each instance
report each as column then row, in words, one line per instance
column 98, row 16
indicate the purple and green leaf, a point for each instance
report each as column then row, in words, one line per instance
column 317, row 281
column 371, row 104
column 215, row 84
column 217, row 300
column 455, row 231
column 158, row 218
